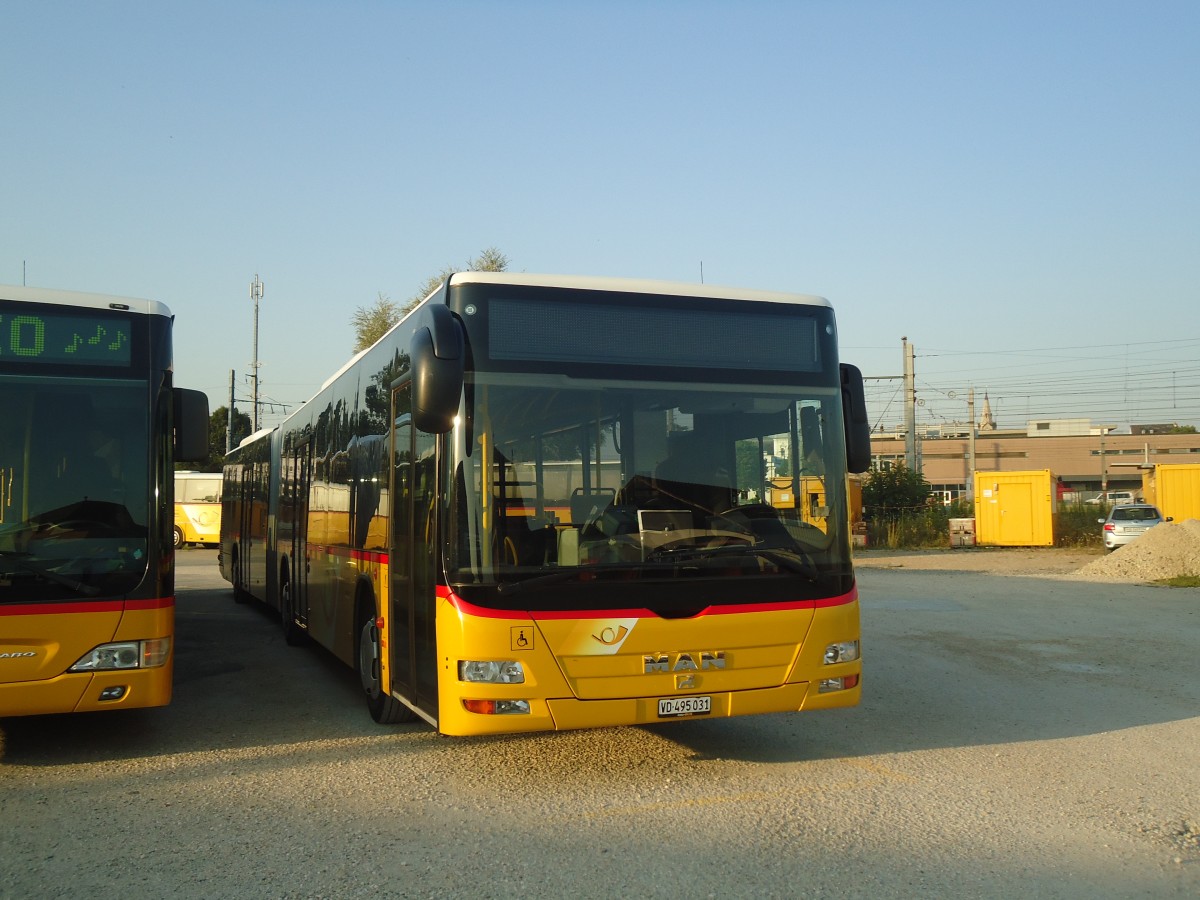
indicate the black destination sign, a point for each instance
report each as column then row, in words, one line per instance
column 52, row 337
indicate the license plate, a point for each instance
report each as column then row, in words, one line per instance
column 684, row 706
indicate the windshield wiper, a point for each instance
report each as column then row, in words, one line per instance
column 512, row 587
column 564, row 575
column 20, row 559
column 800, row 563
column 797, row 562
column 668, row 559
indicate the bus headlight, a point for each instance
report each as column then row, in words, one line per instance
column 480, row 671
column 843, row 651
column 125, row 655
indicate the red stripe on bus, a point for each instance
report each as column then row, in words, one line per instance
column 471, row 609
column 375, row 556
column 57, row 609
column 155, row 603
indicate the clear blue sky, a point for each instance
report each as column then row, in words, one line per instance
column 1015, row 187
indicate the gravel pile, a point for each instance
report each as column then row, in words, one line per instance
column 1165, row 551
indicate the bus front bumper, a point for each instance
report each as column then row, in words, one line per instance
column 87, row 692
column 568, row 713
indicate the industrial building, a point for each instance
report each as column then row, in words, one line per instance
column 1084, row 458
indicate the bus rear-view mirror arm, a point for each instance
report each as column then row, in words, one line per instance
column 191, row 425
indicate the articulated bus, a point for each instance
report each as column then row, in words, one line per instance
column 91, row 428
column 197, row 508
column 545, row 502
column 249, row 483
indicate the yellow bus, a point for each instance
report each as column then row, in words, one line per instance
column 197, row 508
column 92, row 426
column 543, row 502
column 245, row 519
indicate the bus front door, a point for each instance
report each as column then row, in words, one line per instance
column 413, row 561
column 403, row 676
column 298, row 497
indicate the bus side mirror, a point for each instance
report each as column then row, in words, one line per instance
column 854, row 418
column 191, row 425
column 438, row 368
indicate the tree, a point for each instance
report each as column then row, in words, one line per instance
column 889, row 493
column 372, row 323
column 490, row 260
column 217, row 426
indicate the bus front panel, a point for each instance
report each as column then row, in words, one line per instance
column 86, row 610
column 628, row 667
column 78, row 657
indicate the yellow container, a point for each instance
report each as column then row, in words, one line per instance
column 1174, row 489
column 1014, row 509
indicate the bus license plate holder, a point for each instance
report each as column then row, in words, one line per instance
column 681, row 707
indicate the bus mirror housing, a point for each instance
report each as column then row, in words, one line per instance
column 854, row 418
column 438, row 368
column 191, row 425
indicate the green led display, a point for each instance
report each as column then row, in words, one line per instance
column 48, row 337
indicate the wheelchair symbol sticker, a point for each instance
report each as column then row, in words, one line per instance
column 522, row 637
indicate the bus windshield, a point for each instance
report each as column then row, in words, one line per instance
column 561, row 480
column 74, row 504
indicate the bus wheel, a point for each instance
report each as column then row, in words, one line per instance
column 235, row 569
column 178, row 537
column 384, row 709
column 293, row 634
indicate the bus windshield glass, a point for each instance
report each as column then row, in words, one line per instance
column 74, row 504
column 660, row 486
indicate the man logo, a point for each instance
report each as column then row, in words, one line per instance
column 663, row 663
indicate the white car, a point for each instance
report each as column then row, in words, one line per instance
column 1112, row 498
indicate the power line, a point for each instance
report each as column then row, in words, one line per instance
column 1147, row 381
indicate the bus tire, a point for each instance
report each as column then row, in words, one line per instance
column 293, row 634
column 235, row 568
column 384, row 708
column 178, row 538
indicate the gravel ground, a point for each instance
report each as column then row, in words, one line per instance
column 1006, row 746
column 1038, row 561
column 1167, row 551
